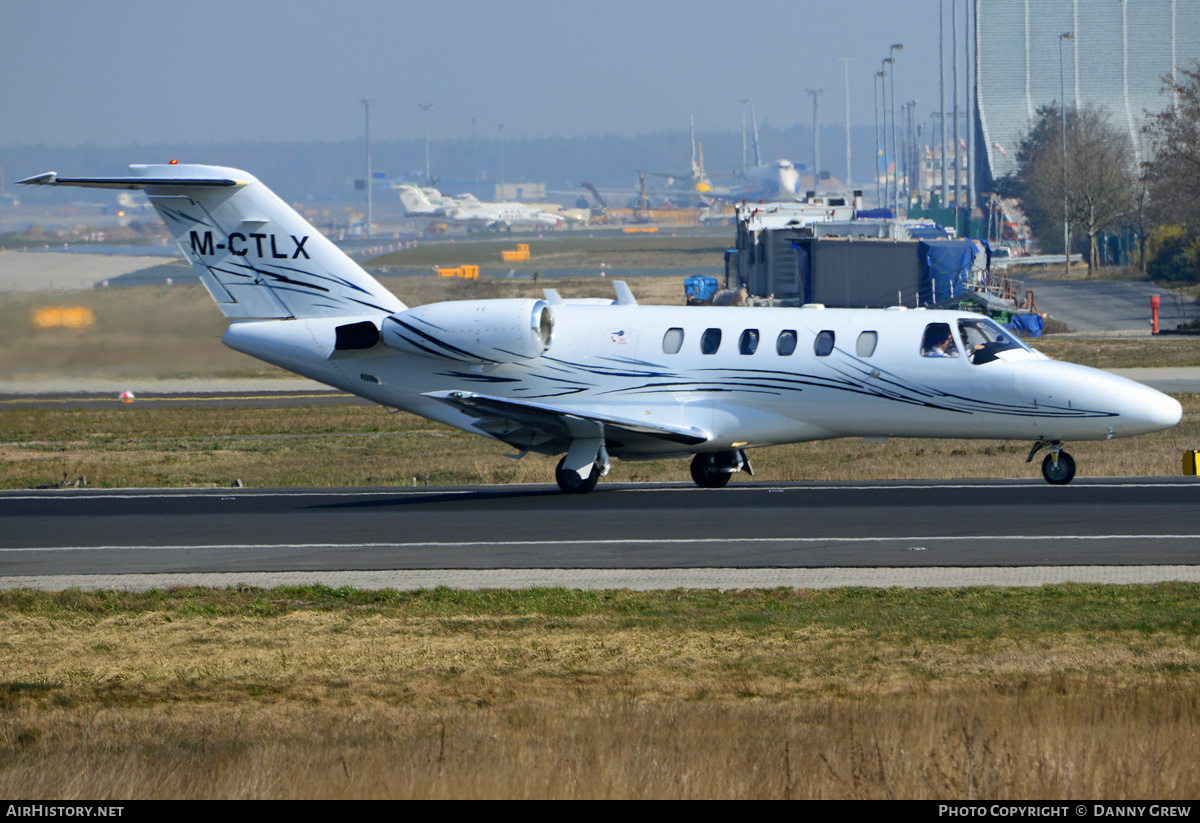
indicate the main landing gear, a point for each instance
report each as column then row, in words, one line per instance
column 1058, row 467
column 712, row 470
column 571, row 483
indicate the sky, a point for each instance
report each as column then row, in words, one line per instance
column 75, row 73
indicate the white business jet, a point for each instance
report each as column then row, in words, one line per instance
column 598, row 379
column 469, row 210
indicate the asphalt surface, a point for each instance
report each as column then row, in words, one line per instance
column 642, row 536
column 1105, row 306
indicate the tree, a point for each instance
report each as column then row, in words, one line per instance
column 1100, row 179
column 1173, row 172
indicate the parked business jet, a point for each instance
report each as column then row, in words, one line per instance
column 597, row 379
column 469, row 210
column 502, row 216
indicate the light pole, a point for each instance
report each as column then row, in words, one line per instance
column 816, row 96
column 425, row 107
column 367, row 101
column 910, row 152
column 743, row 101
column 501, row 130
column 846, row 71
column 894, row 48
column 883, row 107
column 1066, row 35
column 941, row 128
column 878, row 82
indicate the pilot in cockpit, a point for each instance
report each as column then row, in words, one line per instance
column 938, row 341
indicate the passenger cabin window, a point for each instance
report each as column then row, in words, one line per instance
column 938, row 342
column 710, row 341
column 672, row 341
column 785, row 344
column 748, row 342
column 823, row 346
column 984, row 339
column 867, row 341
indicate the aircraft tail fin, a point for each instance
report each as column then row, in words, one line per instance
column 416, row 203
column 256, row 256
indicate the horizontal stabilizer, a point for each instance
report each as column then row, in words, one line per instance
column 51, row 178
column 554, row 422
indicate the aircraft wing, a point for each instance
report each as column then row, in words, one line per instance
column 534, row 426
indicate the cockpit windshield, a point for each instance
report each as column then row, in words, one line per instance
column 984, row 339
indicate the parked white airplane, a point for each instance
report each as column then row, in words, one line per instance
column 778, row 180
column 468, row 209
column 598, row 379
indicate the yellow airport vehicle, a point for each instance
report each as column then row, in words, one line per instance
column 467, row 272
column 516, row 256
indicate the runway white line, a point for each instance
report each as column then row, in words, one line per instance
column 633, row 579
column 613, row 542
column 409, row 491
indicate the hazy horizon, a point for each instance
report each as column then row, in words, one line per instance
column 131, row 72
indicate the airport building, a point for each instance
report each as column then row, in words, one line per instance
column 1115, row 58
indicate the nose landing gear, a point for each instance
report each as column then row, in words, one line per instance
column 1058, row 467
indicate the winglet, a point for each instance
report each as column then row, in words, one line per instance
column 47, row 179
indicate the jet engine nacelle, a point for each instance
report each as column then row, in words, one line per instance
column 475, row 331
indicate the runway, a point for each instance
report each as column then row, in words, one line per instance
column 627, row 535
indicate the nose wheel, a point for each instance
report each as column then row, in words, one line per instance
column 1058, row 467
column 1060, row 471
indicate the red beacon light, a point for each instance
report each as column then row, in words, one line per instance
column 173, row 163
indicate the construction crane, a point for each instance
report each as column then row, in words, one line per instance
column 601, row 208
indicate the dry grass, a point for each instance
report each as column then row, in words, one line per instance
column 976, row 693
column 1058, row 740
column 1122, row 352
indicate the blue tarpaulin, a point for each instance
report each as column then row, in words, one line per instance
column 700, row 288
column 945, row 265
column 928, row 233
column 875, row 214
column 1025, row 325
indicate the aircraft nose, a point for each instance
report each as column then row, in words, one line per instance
column 1149, row 410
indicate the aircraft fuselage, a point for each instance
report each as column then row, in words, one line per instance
column 849, row 373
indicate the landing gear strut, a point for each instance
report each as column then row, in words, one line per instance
column 712, row 470
column 1058, row 467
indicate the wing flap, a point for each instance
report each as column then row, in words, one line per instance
column 552, row 422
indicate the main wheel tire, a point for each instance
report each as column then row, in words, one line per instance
column 1060, row 474
column 706, row 472
column 571, row 483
